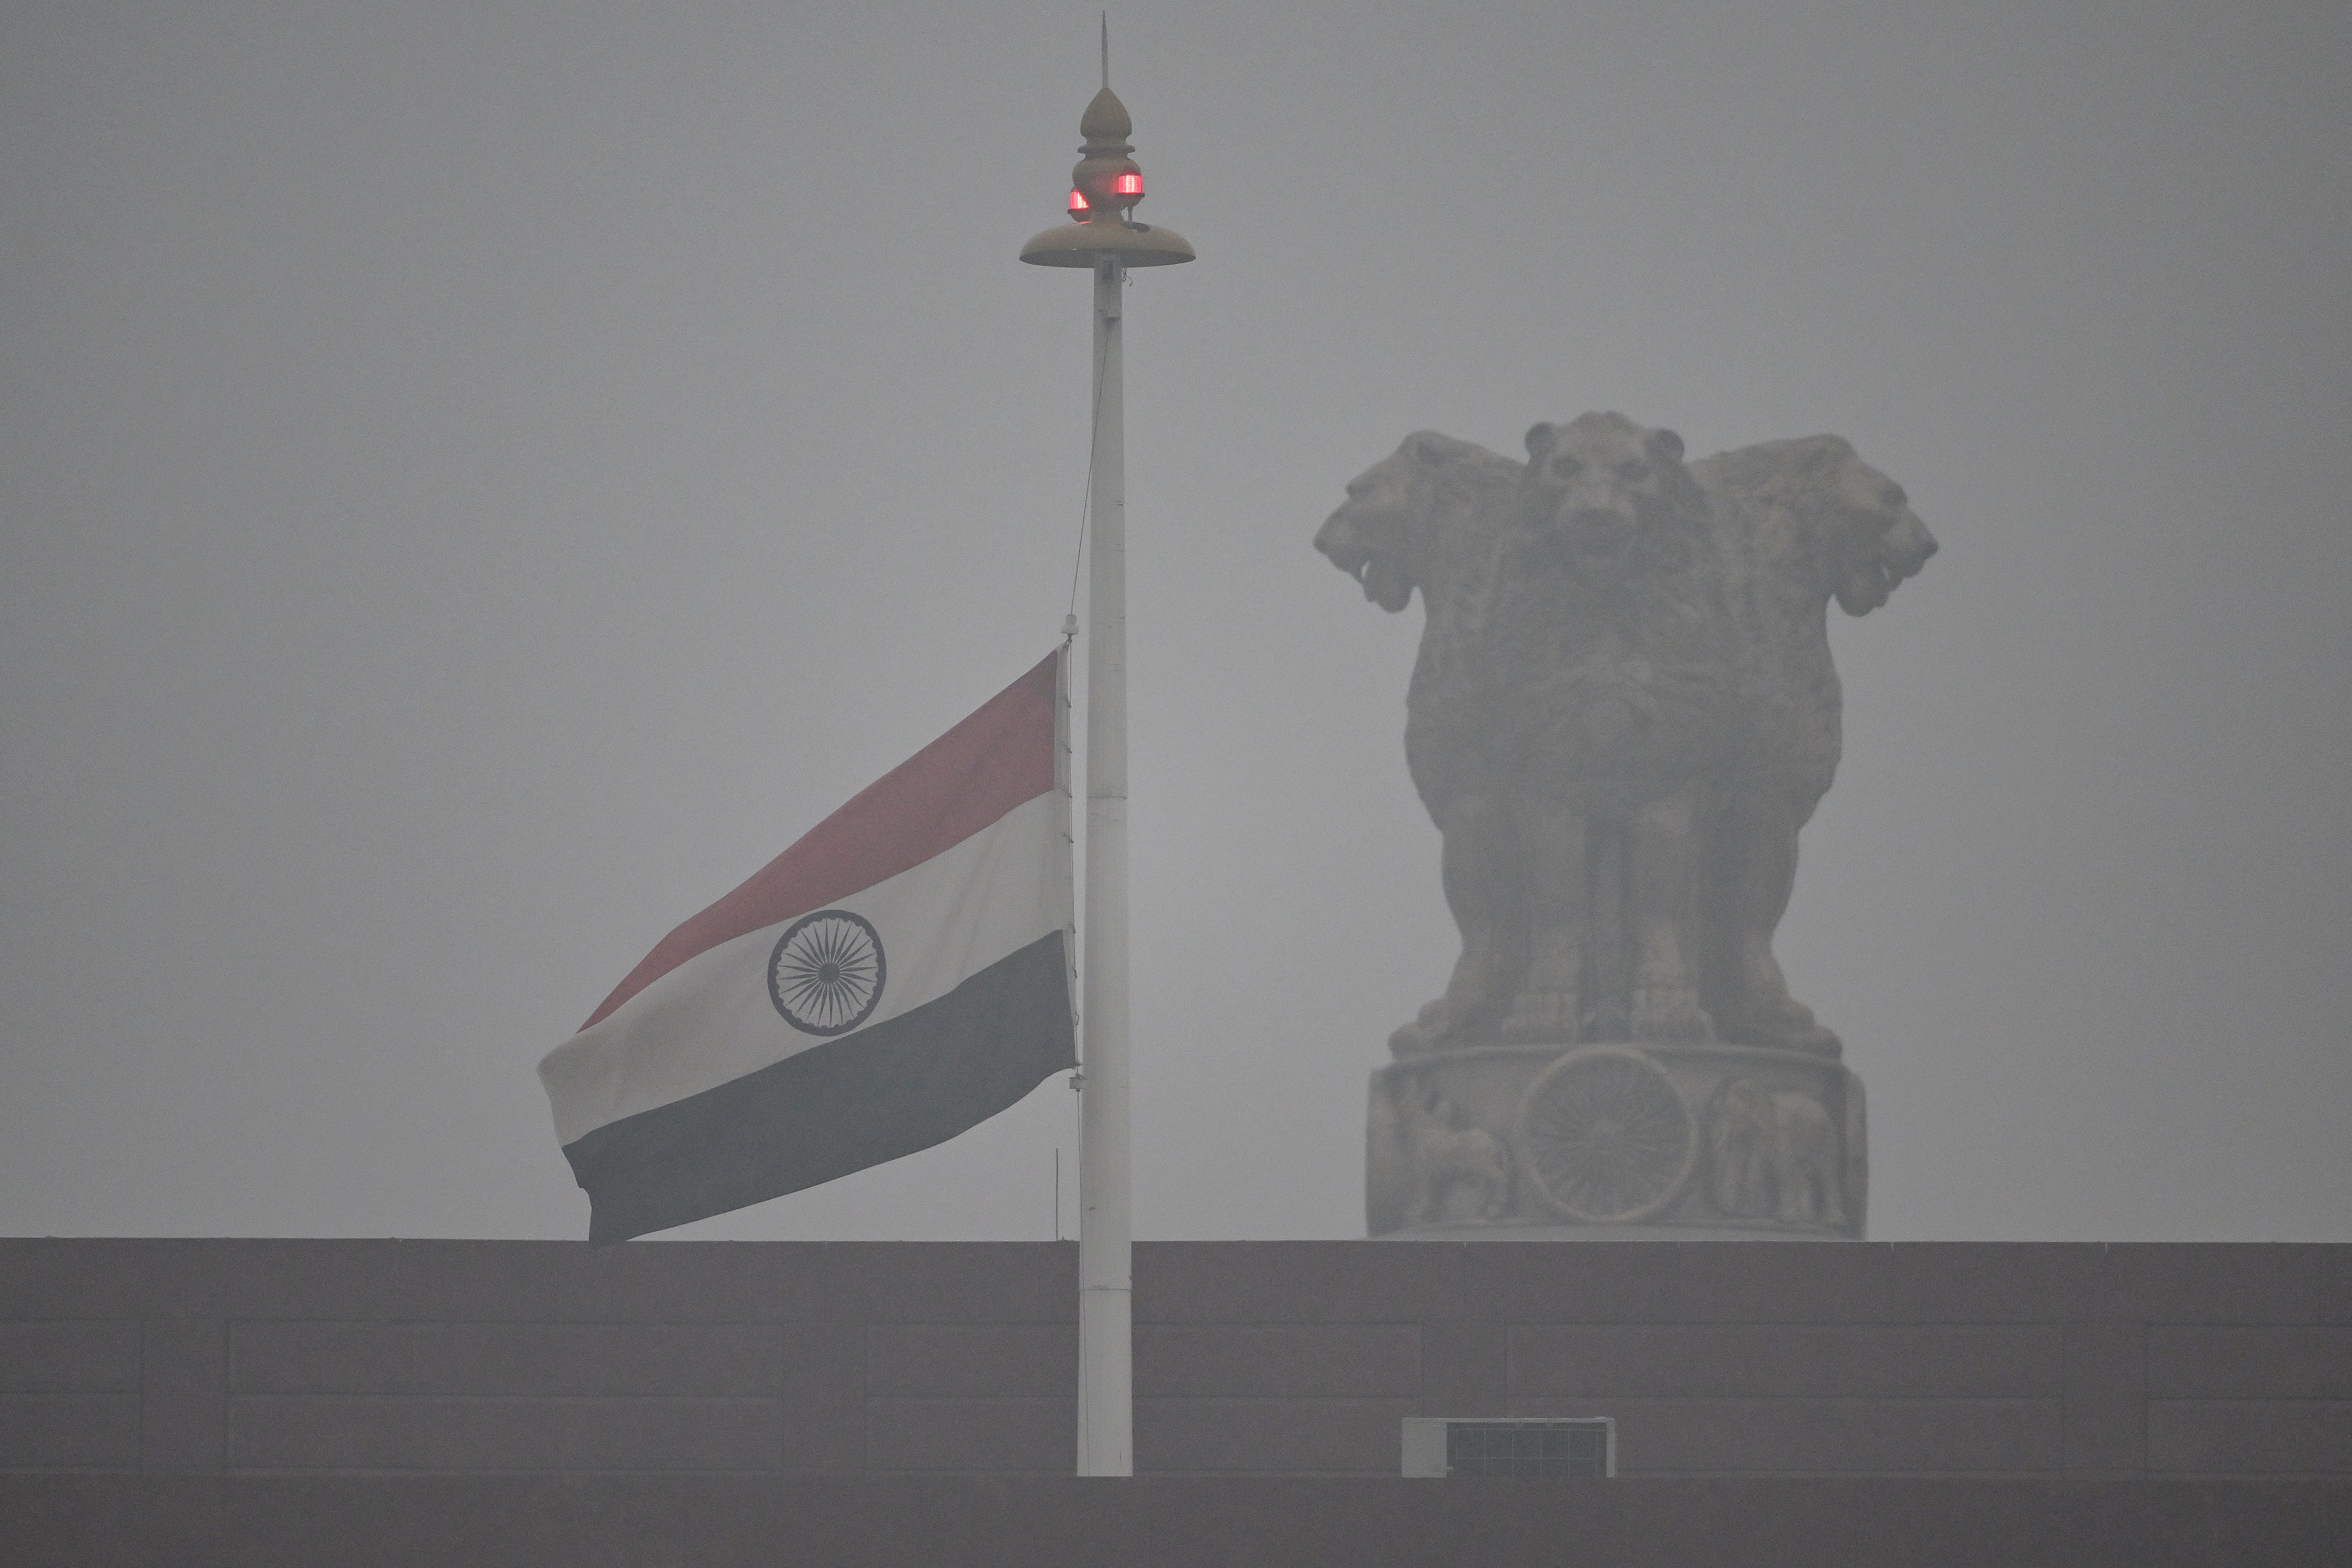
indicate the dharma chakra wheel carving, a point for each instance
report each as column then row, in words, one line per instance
column 1605, row 1136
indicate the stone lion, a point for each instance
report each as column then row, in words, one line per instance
column 1607, row 674
column 1430, row 517
column 1800, row 522
column 1615, row 639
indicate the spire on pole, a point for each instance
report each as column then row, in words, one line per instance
column 1103, row 189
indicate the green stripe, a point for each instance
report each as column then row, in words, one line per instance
column 919, row 1080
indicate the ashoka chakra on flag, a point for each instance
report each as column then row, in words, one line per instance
column 826, row 974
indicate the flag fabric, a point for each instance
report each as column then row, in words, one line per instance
column 900, row 974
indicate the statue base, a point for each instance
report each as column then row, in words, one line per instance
column 1615, row 1141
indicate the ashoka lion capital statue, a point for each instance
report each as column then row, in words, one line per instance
column 1624, row 713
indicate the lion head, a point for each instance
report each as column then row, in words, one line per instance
column 1609, row 500
column 1848, row 528
column 1877, row 539
column 1390, row 530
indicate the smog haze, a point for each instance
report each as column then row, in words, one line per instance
column 482, row 479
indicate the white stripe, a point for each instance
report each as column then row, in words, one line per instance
column 710, row 1020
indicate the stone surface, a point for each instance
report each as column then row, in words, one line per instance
column 1616, row 1138
column 1624, row 713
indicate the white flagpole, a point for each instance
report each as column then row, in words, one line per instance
column 1106, row 186
column 1105, row 1243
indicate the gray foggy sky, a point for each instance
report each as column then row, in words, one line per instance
column 480, row 479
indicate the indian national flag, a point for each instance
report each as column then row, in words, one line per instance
column 898, row 975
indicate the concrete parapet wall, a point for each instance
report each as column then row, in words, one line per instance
column 1718, row 1360
column 1166, row 1521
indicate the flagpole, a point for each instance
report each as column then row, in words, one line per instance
column 1105, row 187
column 1105, row 1243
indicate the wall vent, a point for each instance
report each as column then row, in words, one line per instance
column 1546, row 1447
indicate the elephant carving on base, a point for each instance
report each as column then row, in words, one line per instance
column 1773, row 1154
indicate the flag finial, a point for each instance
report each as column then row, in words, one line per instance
column 1103, row 190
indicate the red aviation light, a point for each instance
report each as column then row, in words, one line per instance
column 1077, row 200
column 1129, row 185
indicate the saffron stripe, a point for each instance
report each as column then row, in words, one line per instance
column 999, row 756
